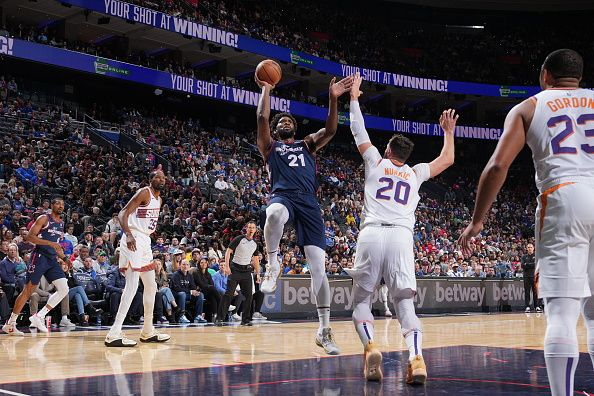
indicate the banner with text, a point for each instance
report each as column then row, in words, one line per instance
column 125, row 71
column 188, row 28
column 294, row 295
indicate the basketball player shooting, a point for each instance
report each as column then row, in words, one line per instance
column 557, row 125
column 385, row 244
column 292, row 168
column 139, row 219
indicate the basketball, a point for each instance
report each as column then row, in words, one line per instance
column 269, row 71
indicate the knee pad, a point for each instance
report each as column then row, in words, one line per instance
column 61, row 287
column 561, row 334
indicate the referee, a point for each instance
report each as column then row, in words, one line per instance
column 245, row 258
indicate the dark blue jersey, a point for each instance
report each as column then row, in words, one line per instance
column 53, row 231
column 292, row 167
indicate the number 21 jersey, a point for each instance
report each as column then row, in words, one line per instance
column 292, row 168
column 391, row 192
column 561, row 136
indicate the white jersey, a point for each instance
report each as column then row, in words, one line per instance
column 561, row 137
column 145, row 218
column 391, row 192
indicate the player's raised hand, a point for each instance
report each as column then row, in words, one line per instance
column 465, row 239
column 262, row 83
column 338, row 88
column 356, row 87
column 447, row 121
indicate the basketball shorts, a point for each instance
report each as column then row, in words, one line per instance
column 385, row 252
column 564, row 241
column 305, row 214
column 41, row 265
column 141, row 259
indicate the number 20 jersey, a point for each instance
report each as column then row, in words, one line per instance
column 561, row 136
column 145, row 218
column 292, row 168
column 391, row 192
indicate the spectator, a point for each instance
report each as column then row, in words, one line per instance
column 185, row 291
column 203, row 280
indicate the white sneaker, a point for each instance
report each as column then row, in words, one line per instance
column 184, row 320
column 37, row 321
column 326, row 341
column 388, row 313
column 527, row 310
column 236, row 318
column 258, row 316
column 232, row 308
column 65, row 322
column 538, row 310
column 119, row 340
column 268, row 284
column 155, row 336
column 12, row 330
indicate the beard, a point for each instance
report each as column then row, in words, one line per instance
column 158, row 187
column 284, row 134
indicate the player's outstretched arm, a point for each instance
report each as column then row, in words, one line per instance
column 317, row 140
column 447, row 121
column 511, row 143
column 356, row 117
column 141, row 197
column 264, row 138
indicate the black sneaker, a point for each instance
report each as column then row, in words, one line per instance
column 218, row 322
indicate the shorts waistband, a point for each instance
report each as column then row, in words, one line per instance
column 561, row 180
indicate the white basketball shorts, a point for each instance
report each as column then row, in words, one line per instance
column 139, row 260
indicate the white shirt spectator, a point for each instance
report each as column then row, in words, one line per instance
column 221, row 184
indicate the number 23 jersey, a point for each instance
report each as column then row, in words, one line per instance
column 145, row 218
column 391, row 192
column 561, row 136
column 292, row 167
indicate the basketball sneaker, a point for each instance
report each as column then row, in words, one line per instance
column 326, row 341
column 258, row 316
column 268, row 284
column 119, row 341
column 155, row 336
column 388, row 313
column 11, row 329
column 236, row 318
column 373, row 363
column 37, row 321
column 417, row 371
column 65, row 322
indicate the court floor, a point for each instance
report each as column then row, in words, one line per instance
column 465, row 354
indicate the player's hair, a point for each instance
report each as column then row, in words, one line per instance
column 56, row 198
column 152, row 174
column 401, row 147
column 251, row 222
column 564, row 63
column 277, row 118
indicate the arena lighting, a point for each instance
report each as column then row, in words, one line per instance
column 465, row 26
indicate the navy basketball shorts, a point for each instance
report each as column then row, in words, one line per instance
column 305, row 214
column 41, row 265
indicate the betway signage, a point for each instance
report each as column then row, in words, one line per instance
column 294, row 295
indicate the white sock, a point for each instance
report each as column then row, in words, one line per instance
column 362, row 317
column 411, row 326
column 365, row 330
column 561, row 343
column 414, row 341
column 13, row 318
column 588, row 313
column 43, row 311
column 324, row 318
column 64, row 317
